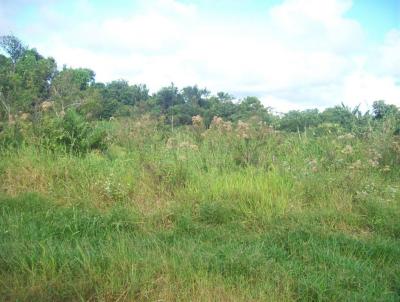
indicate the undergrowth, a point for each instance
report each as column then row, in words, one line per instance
column 230, row 213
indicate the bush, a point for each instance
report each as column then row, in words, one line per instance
column 71, row 133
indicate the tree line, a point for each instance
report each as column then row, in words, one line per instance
column 31, row 83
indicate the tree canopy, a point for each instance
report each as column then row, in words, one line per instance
column 28, row 79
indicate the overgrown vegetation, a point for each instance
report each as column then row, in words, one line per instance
column 232, row 203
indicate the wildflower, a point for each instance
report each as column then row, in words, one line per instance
column 312, row 162
column 396, row 146
column 356, row 165
column 217, row 120
column 25, row 116
column 183, row 144
column 313, row 165
column 375, row 158
column 373, row 163
column 46, row 105
column 193, row 147
column 347, row 150
column 375, row 154
column 188, row 145
column 171, row 143
column 242, row 130
column 386, row 168
column 197, row 121
column 11, row 119
column 227, row 126
column 218, row 123
column 347, row 136
column 182, row 157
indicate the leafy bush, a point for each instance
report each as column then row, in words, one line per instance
column 71, row 133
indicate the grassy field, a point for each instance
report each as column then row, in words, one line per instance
column 227, row 214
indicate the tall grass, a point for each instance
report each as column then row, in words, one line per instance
column 232, row 213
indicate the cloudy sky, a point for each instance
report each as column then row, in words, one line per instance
column 292, row 54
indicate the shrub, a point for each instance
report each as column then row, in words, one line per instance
column 71, row 133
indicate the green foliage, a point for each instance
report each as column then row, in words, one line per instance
column 13, row 47
column 7, row 86
column 382, row 110
column 221, row 106
column 27, row 79
column 11, row 136
column 71, row 133
column 34, row 74
column 294, row 121
column 216, row 213
column 167, row 97
column 70, row 88
column 251, row 107
column 24, row 81
column 194, row 96
column 237, row 212
column 124, row 93
column 78, row 136
column 327, row 129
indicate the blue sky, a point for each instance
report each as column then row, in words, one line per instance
column 292, row 54
column 376, row 16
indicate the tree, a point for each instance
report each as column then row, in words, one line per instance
column 7, row 85
column 381, row 110
column 224, row 97
column 35, row 74
column 13, row 47
column 295, row 120
column 222, row 106
column 24, row 77
column 341, row 115
column 125, row 94
column 183, row 113
column 140, row 93
column 251, row 107
column 167, row 97
column 195, row 96
column 69, row 86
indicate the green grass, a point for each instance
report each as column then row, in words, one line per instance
column 52, row 253
column 274, row 218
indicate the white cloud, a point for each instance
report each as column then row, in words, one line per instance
column 317, row 25
column 388, row 57
column 364, row 88
column 303, row 53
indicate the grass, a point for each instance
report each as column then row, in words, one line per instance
column 201, row 218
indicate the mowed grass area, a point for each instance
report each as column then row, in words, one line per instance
column 196, row 215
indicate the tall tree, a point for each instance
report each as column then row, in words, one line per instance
column 25, row 77
column 69, row 86
column 195, row 96
column 381, row 110
column 124, row 93
column 13, row 47
column 167, row 97
column 7, row 86
column 35, row 74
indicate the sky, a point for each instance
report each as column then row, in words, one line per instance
column 291, row 54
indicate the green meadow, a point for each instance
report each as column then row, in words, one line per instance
column 231, row 212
